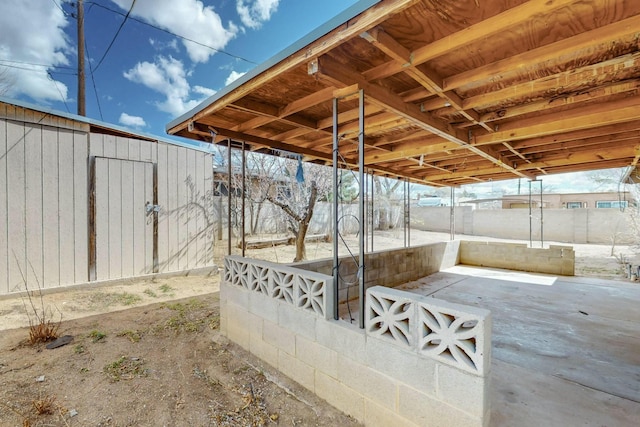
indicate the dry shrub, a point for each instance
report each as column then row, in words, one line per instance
column 46, row 405
column 42, row 327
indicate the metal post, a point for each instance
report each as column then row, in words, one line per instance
column 229, row 196
column 373, row 210
column 336, row 260
column 361, row 266
column 409, row 213
column 404, row 212
column 541, row 221
column 365, row 188
column 244, row 171
column 530, row 219
column 452, row 215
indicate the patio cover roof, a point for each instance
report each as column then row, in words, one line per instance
column 456, row 92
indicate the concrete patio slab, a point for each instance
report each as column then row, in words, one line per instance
column 566, row 350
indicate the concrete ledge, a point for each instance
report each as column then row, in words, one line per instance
column 559, row 260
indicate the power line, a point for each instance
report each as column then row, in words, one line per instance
column 61, row 9
column 17, row 67
column 59, row 91
column 115, row 36
column 176, row 35
column 93, row 80
column 37, row 64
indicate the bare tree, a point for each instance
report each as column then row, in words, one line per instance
column 386, row 192
column 285, row 187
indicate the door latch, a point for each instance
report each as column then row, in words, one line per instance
column 152, row 208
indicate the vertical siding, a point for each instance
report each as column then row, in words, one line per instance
column 33, row 205
column 127, row 216
column 4, row 255
column 44, row 203
column 16, row 206
column 65, row 200
column 81, row 206
column 101, row 226
column 52, row 210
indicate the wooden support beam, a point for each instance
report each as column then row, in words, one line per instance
column 573, row 78
column 622, row 111
column 488, row 27
column 603, row 36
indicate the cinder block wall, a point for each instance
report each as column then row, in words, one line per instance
column 554, row 260
column 374, row 381
column 388, row 268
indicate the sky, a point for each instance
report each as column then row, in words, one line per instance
column 161, row 61
column 150, row 61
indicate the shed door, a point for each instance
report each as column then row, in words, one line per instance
column 123, row 227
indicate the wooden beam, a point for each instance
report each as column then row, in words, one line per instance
column 427, row 77
column 604, row 36
column 355, row 26
column 340, row 74
column 565, row 81
column 560, row 101
column 625, row 110
column 497, row 24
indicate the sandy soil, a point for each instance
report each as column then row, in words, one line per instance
column 149, row 353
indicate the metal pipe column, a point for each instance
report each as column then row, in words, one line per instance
column 530, row 219
column 336, row 260
column 244, row 180
column 229, row 196
column 361, row 266
column 541, row 221
column 452, row 216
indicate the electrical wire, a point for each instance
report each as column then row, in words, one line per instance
column 59, row 91
column 224, row 52
column 93, row 81
column 13, row 61
column 126, row 17
column 61, row 9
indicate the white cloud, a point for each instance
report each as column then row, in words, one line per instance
column 160, row 45
column 203, row 90
column 187, row 18
column 133, row 121
column 253, row 13
column 168, row 77
column 233, row 76
column 32, row 32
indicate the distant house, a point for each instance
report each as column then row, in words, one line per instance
column 599, row 200
column 83, row 201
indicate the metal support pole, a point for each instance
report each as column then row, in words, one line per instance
column 373, row 210
column 404, row 212
column 229, row 196
column 541, row 219
column 361, row 266
column 336, row 259
column 452, row 215
column 409, row 213
column 244, row 179
column 530, row 219
column 365, row 188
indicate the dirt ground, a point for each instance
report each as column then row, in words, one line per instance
column 149, row 353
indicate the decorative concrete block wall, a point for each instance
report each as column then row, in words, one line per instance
column 388, row 268
column 513, row 256
column 419, row 361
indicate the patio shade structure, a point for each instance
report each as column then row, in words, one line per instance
column 455, row 92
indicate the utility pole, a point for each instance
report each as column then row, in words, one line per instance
column 81, row 84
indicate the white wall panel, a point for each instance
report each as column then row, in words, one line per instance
column 15, row 206
column 65, row 200
column 4, row 256
column 33, row 205
column 51, row 212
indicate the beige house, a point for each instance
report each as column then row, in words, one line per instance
column 609, row 199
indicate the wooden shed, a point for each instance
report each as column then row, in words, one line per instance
column 85, row 201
